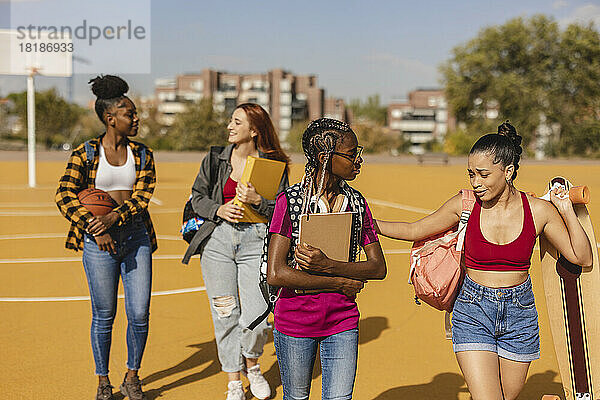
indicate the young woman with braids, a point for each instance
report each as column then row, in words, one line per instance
column 231, row 250
column 495, row 332
column 328, row 319
column 120, row 243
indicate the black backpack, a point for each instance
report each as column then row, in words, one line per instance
column 190, row 220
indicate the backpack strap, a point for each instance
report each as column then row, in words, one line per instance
column 90, row 153
column 142, row 157
column 468, row 202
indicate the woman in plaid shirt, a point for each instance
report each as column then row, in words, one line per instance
column 121, row 242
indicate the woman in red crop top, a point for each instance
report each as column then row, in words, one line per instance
column 231, row 249
column 495, row 332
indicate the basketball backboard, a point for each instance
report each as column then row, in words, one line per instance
column 20, row 54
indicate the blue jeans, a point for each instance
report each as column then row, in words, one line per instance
column 503, row 321
column 296, row 358
column 133, row 262
column 231, row 272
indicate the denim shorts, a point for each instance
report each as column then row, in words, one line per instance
column 503, row 321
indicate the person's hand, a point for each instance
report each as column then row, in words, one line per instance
column 559, row 196
column 350, row 287
column 310, row 258
column 105, row 243
column 230, row 212
column 247, row 193
column 101, row 223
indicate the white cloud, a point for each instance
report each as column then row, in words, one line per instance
column 584, row 14
column 559, row 4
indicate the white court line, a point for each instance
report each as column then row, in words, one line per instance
column 27, row 205
column 56, row 213
column 63, row 235
column 153, row 200
column 77, row 259
column 87, row 298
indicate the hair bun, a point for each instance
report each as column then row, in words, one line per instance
column 108, row 86
column 506, row 129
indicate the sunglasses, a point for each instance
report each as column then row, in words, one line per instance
column 351, row 158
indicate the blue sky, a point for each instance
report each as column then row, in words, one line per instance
column 356, row 48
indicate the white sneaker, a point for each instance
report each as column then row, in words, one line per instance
column 258, row 384
column 235, row 390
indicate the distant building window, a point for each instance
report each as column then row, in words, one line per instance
column 230, row 105
column 198, row 85
column 285, row 98
column 285, row 123
column 285, row 111
column 432, row 101
column 396, row 113
column 285, row 85
column 301, row 96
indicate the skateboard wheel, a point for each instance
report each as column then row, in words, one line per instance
column 550, row 397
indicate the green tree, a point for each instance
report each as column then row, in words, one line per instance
column 377, row 139
column 199, row 127
column 527, row 70
column 55, row 117
column 294, row 136
column 371, row 110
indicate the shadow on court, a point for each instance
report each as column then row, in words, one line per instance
column 206, row 353
column 447, row 386
column 369, row 329
column 540, row 384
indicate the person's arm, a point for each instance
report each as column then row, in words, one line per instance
column 68, row 187
column 280, row 274
column 313, row 259
column 563, row 230
column 442, row 219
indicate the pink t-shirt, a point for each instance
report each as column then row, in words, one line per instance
column 314, row 315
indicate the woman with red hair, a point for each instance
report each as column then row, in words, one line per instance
column 231, row 250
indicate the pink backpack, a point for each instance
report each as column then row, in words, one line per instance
column 436, row 272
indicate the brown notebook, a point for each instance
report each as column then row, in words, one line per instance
column 328, row 232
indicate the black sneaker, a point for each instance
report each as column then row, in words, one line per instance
column 133, row 389
column 105, row 391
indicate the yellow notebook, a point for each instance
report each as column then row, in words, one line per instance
column 264, row 175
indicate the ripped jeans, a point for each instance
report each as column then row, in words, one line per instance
column 230, row 269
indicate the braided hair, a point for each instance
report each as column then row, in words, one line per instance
column 109, row 91
column 504, row 145
column 321, row 136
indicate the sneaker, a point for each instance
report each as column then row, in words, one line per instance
column 105, row 392
column 235, row 391
column 133, row 389
column 258, row 384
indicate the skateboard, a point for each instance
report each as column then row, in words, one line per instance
column 573, row 302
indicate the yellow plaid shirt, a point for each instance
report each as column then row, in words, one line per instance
column 74, row 180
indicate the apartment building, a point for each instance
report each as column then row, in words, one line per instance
column 423, row 118
column 287, row 97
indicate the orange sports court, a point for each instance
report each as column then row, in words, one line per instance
column 46, row 315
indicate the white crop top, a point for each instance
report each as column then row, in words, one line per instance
column 109, row 177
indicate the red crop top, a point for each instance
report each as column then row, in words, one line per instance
column 229, row 190
column 514, row 256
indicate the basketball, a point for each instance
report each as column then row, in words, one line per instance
column 97, row 201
